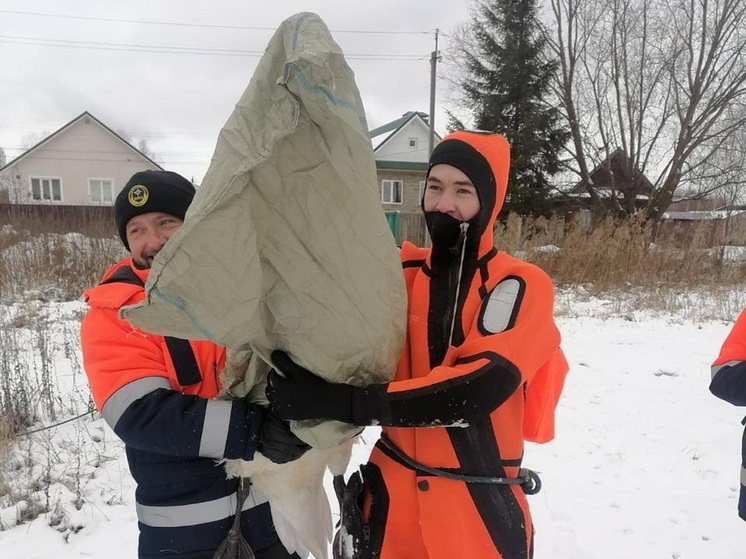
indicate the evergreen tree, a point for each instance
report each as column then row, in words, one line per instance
column 506, row 87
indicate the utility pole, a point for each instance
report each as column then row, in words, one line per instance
column 434, row 57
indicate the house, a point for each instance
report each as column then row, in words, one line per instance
column 84, row 163
column 718, row 225
column 401, row 151
column 611, row 178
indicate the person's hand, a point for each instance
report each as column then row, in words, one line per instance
column 300, row 394
column 277, row 442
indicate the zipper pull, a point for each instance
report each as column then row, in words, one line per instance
column 456, row 249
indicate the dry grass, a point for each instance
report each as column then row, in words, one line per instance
column 617, row 255
column 37, row 342
column 42, row 259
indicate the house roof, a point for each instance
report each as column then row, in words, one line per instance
column 614, row 169
column 701, row 215
column 401, row 165
column 395, row 125
column 398, row 123
column 68, row 125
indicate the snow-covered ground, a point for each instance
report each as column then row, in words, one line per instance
column 645, row 463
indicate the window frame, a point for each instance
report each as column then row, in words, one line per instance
column 41, row 197
column 392, row 183
column 101, row 182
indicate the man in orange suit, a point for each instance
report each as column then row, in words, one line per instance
column 445, row 479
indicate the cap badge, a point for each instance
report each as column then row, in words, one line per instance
column 138, row 195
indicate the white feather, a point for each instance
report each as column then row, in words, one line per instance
column 295, row 491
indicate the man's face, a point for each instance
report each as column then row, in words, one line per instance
column 448, row 190
column 147, row 233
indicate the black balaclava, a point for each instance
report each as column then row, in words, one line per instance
column 445, row 231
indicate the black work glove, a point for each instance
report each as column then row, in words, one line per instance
column 302, row 395
column 277, row 442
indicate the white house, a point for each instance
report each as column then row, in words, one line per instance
column 401, row 152
column 84, row 163
column 404, row 139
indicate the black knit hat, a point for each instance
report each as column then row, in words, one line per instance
column 152, row 191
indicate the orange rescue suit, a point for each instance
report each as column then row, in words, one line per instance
column 502, row 334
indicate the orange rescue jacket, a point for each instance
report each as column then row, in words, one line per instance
column 458, row 400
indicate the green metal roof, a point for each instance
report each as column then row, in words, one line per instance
column 403, row 165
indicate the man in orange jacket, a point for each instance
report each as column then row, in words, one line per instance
column 158, row 395
column 729, row 383
column 445, row 479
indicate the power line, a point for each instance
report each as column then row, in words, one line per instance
column 201, row 25
column 103, row 160
column 134, row 134
column 178, row 50
column 97, row 152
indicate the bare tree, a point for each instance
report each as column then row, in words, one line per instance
column 142, row 145
column 725, row 174
column 31, row 139
column 659, row 79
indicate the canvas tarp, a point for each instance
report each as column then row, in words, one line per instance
column 286, row 245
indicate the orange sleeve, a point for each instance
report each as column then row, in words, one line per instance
column 734, row 346
column 115, row 353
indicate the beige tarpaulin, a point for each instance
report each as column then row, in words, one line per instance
column 285, row 245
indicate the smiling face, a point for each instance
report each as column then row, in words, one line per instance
column 448, row 190
column 147, row 233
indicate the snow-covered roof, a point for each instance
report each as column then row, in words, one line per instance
column 701, row 215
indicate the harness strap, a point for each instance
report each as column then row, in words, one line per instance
column 181, row 352
column 528, row 479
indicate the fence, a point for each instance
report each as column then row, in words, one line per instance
column 408, row 227
column 94, row 221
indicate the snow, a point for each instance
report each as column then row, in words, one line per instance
column 645, row 463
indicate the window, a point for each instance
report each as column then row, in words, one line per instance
column 100, row 191
column 413, row 142
column 391, row 192
column 46, row 189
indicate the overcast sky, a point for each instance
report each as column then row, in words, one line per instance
column 170, row 71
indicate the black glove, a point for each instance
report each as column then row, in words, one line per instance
column 302, row 395
column 277, row 442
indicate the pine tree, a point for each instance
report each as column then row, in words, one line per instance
column 507, row 89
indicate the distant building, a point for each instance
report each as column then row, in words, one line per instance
column 611, row 178
column 401, row 152
column 84, row 163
